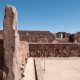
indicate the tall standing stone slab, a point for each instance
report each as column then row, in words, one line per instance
column 11, row 44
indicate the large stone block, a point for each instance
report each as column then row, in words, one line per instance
column 11, row 44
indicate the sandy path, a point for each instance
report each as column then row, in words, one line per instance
column 29, row 70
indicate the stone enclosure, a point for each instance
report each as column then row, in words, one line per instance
column 17, row 46
column 54, row 50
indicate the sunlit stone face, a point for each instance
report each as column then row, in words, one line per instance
column 8, row 17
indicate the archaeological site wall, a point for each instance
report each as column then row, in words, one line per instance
column 1, row 59
column 23, row 50
column 62, row 35
column 1, row 54
column 36, row 36
column 54, row 50
column 46, row 37
column 77, row 37
column 1, row 34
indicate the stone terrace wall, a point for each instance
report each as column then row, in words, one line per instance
column 54, row 50
column 1, row 34
column 36, row 36
column 1, row 54
column 1, row 59
column 78, row 37
column 46, row 36
column 65, row 35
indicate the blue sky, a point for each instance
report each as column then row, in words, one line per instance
column 51, row 15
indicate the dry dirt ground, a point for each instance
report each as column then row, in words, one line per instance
column 29, row 70
column 58, row 68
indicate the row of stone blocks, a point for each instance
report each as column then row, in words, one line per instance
column 54, row 50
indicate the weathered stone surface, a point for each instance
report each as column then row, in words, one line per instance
column 1, row 59
column 77, row 37
column 65, row 35
column 46, row 37
column 54, row 50
column 23, row 51
column 36, row 36
column 62, row 37
column 1, row 54
column 11, row 44
column 1, row 75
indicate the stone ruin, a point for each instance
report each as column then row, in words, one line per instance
column 14, row 50
column 16, row 46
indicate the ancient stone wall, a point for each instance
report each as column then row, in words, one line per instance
column 1, row 59
column 62, row 37
column 65, row 35
column 77, row 37
column 54, row 50
column 46, row 37
column 36, row 36
column 64, row 40
column 1, row 34
column 23, row 51
column 1, row 53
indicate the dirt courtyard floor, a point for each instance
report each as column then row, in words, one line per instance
column 58, row 68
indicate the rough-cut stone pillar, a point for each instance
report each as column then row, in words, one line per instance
column 11, row 44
